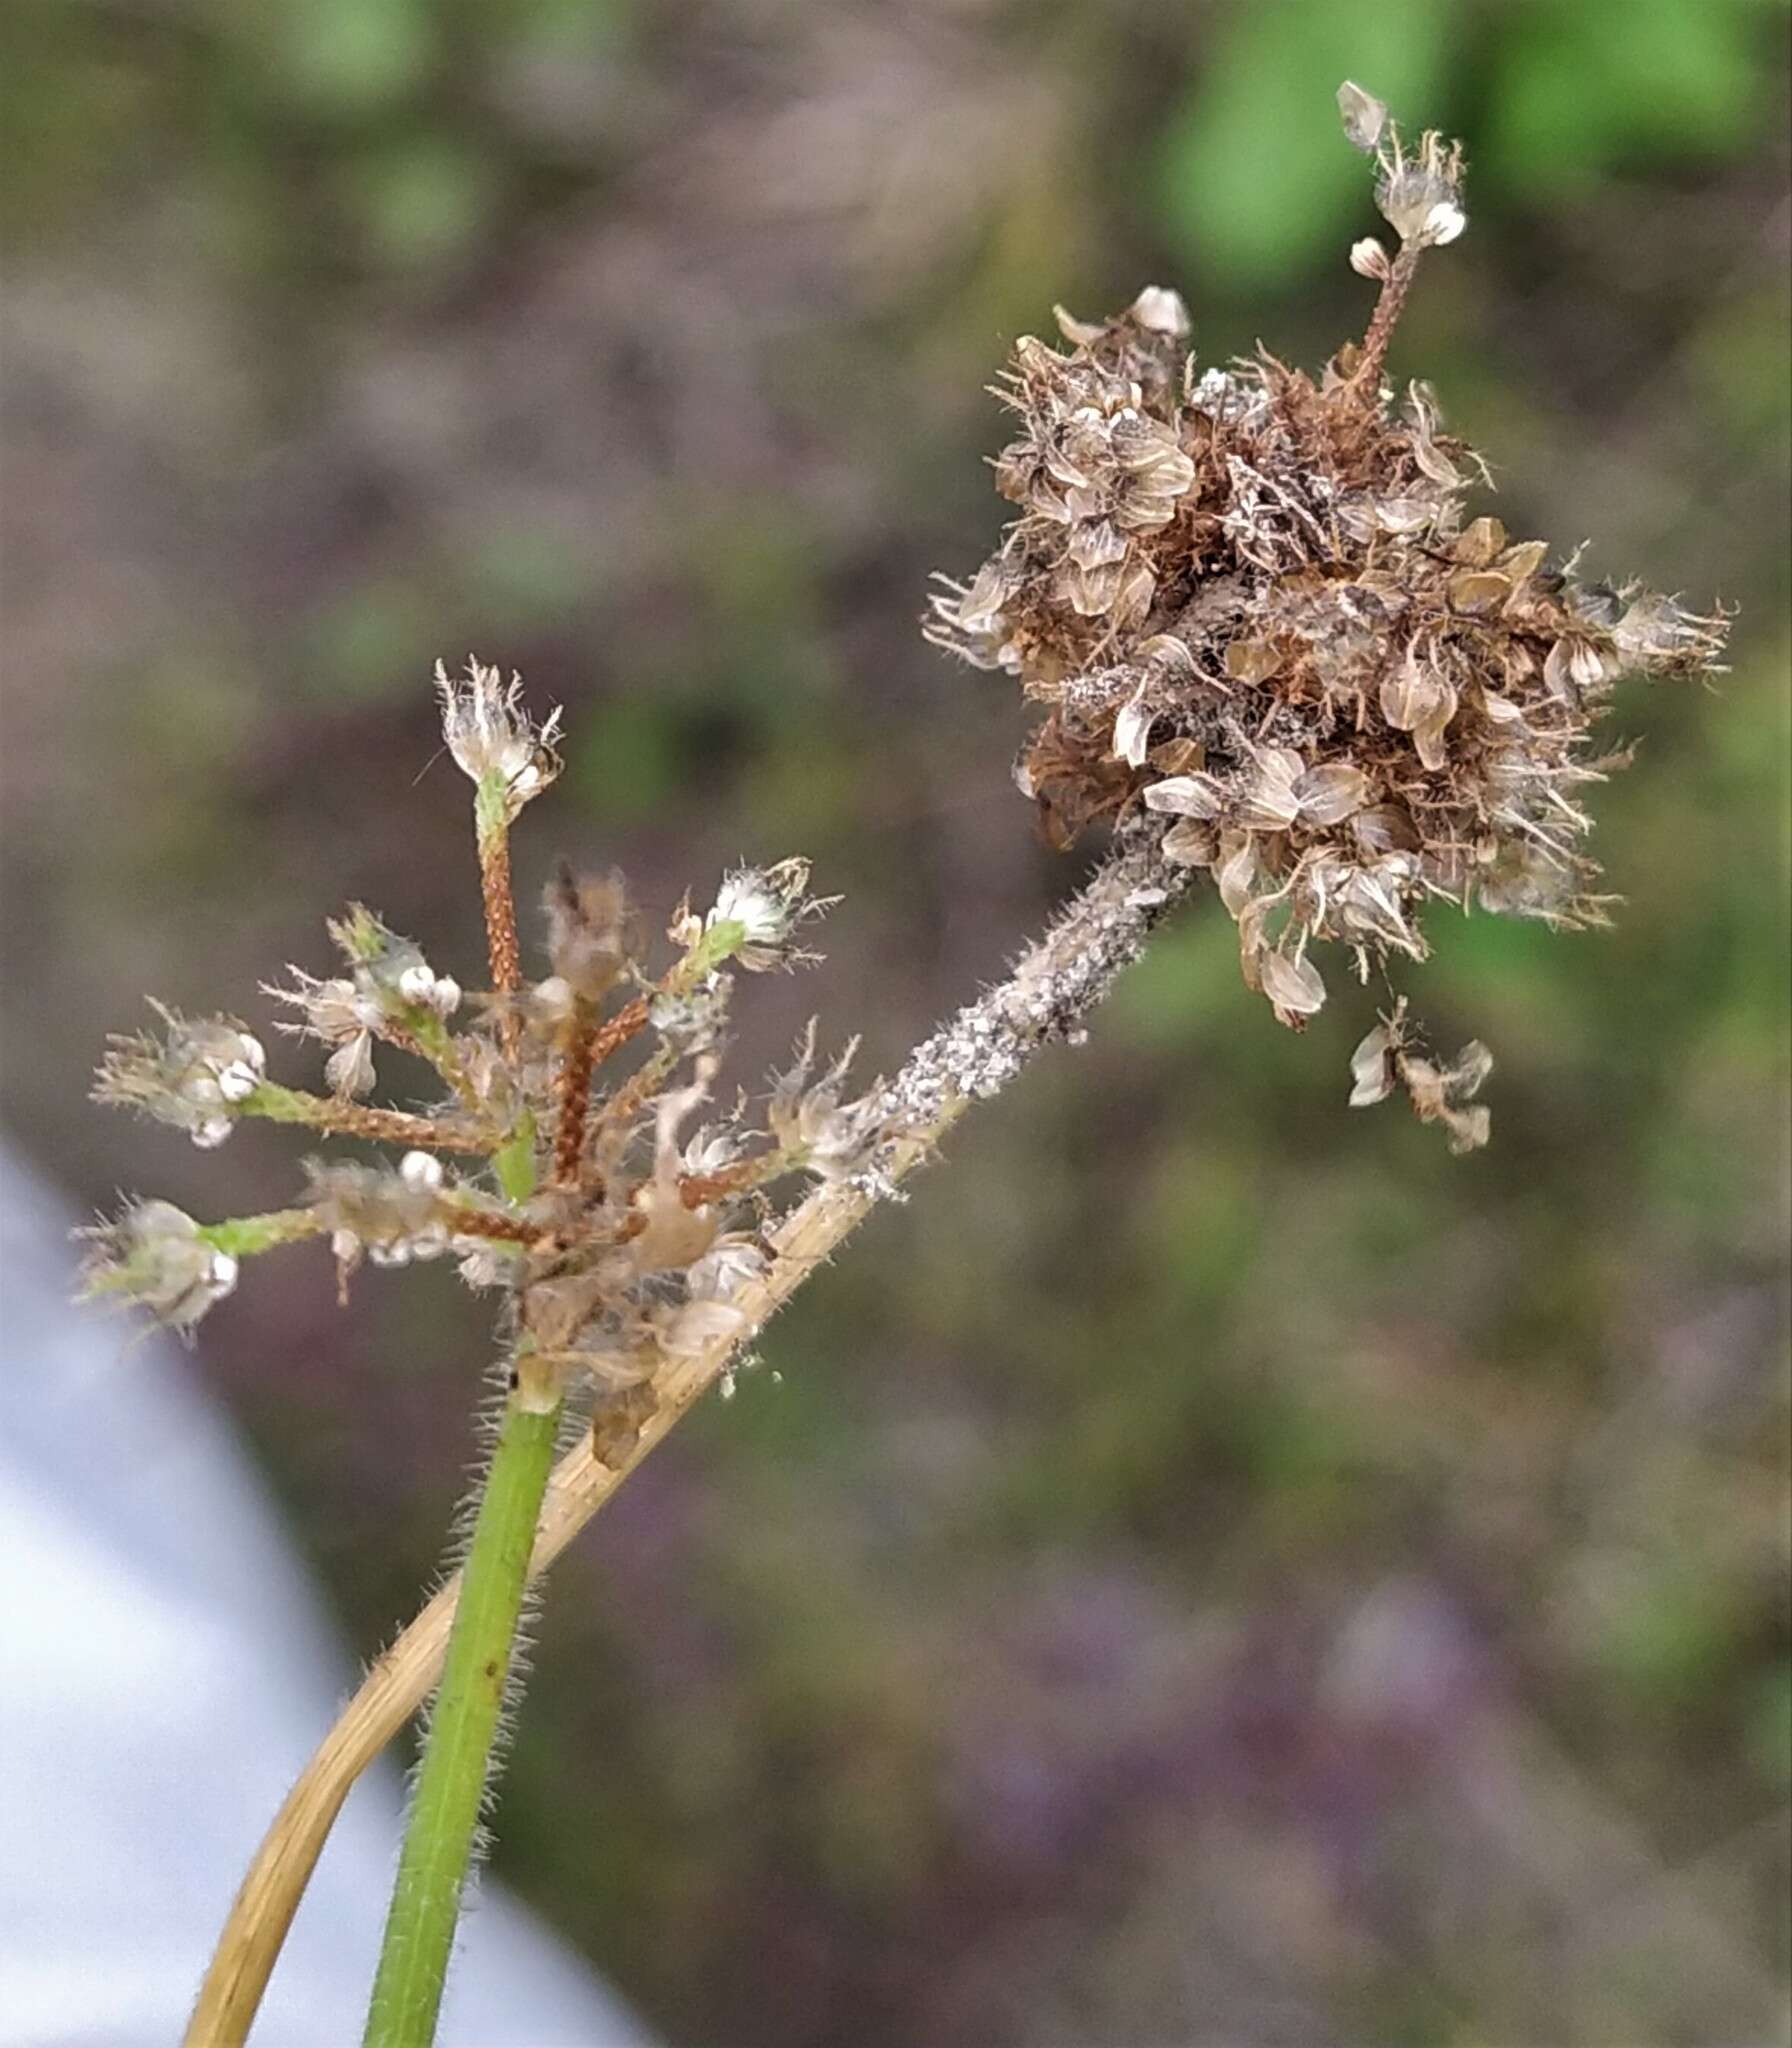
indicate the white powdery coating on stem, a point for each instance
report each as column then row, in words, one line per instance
column 1055, row 984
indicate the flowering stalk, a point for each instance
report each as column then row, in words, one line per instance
column 492, row 743
column 751, row 924
column 1056, row 984
column 1421, row 200
column 509, row 762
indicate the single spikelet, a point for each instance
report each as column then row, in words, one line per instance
column 155, row 1255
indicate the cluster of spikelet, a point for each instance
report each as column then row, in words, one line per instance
column 568, row 1156
column 1253, row 602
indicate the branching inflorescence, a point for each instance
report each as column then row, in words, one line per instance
column 624, row 1217
column 1271, row 647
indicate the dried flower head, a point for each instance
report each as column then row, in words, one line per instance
column 196, row 1076
column 1256, row 603
column 492, row 738
column 814, row 1120
column 1438, row 1094
column 392, row 1214
column 757, row 912
column 390, row 991
column 1420, row 196
column 154, row 1256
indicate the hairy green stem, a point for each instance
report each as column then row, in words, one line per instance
column 457, row 1764
column 246, row 1237
column 457, row 1753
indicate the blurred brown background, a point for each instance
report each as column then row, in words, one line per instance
column 1215, row 1569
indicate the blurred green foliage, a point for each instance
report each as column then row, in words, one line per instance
column 1250, row 183
column 1584, row 89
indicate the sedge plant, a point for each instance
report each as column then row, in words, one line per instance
column 1272, row 649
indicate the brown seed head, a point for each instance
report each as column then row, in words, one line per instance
column 1255, row 601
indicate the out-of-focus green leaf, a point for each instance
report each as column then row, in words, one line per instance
column 365, row 644
column 1188, row 980
column 1255, row 171
column 421, row 200
column 348, row 57
column 1738, row 358
column 523, row 575
column 1664, row 1634
column 1582, row 83
column 1770, row 1725
column 626, row 757
column 803, row 797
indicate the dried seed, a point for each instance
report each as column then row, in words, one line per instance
column 1187, row 796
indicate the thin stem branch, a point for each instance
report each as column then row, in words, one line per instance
column 246, row 1237
column 613, row 1113
column 615, row 1032
column 346, row 1119
column 576, row 1063
column 1055, row 984
column 1386, row 317
column 430, row 1039
column 491, row 832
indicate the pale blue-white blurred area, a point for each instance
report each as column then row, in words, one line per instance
column 167, row 1674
